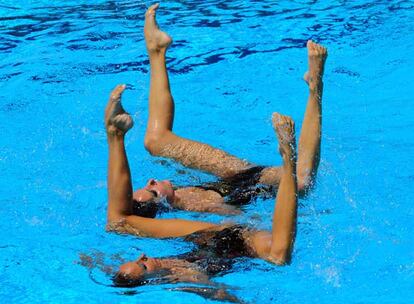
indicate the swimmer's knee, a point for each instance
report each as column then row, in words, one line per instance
column 270, row 176
column 302, row 185
column 305, row 183
column 151, row 144
column 155, row 143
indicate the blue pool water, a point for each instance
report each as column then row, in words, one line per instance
column 232, row 64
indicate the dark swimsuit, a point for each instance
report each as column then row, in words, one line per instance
column 216, row 250
column 242, row 188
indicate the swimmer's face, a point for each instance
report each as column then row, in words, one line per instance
column 155, row 190
column 138, row 268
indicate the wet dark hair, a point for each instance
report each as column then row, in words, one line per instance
column 148, row 209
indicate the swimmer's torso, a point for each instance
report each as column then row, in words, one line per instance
column 236, row 191
column 215, row 252
column 194, row 196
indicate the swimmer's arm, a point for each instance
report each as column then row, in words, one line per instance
column 119, row 180
column 211, row 290
column 284, row 217
column 210, row 293
column 158, row 228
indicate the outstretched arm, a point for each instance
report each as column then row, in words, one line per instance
column 117, row 123
column 210, row 293
column 285, row 213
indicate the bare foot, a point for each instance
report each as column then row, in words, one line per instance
column 117, row 121
column 316, row 60
column 156, row 39
column 285, row 131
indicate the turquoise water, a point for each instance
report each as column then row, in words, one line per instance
column 232, row 64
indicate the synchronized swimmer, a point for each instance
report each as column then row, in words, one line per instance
column 239, row 181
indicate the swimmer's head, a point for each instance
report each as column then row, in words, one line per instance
column 136, row 273
column 146, row 200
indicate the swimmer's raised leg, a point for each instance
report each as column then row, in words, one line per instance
column 159, row 138
column 161, row 104
column 310, row 135
column 117, row 123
